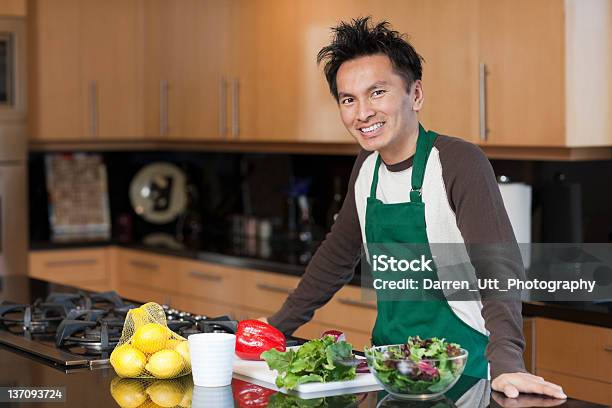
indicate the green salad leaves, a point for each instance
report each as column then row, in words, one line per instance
column 421, row 366
column 312, row 362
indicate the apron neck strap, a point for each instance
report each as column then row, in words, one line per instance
column 425, row 142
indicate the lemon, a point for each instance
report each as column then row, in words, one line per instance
column 128, row 393
column 138, row 316
column 166, row 393
column 187, row 396
column 150, row 337
column 165, row 364
column 172, row 343
column 128, row 361
column 183, row 349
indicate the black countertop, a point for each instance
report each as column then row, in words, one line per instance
column 92, row 388
column 290, row 258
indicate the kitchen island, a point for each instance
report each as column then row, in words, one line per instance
column 92, row 387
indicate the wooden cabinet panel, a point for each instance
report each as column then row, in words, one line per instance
column 143, row 294
column 522, row 46
column 529, row 335
column 14, row 8
column 112, row 64
column 349, row 310
column 186, row 55
column 56, row 108
column 86, row 76
column 574, row 349
column 266, row 291
column 445, row 34
column 580, row 388
column 209, row 281
column 83, row 268
column 201, row 307
column 147, row 270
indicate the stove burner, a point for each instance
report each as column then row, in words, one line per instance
column 37, row 318
column 92, row 330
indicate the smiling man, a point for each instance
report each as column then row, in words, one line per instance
column 412, row 186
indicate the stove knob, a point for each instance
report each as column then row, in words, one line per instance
column 165, row 307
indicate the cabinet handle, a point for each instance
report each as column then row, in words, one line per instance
column 144, row 265
column 93, row 106
column 274, row 288
column 222, row 108
column 608, row 348
column 163, row 107
column 205, row 276
column 235, row 109
column 483, row 101
column 71, row 262
column 351, row 302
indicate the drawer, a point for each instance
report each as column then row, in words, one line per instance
column 208, row 281
column 71, row 267
column 201, row 307
column 573, row 349
column 146, row 270
column 144, row 294
column 348, row 310
column 266, row 291
column 580, row 388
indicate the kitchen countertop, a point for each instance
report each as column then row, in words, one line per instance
column 91, row 388
column 291, row 259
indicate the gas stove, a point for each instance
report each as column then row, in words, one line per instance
column 80, row 330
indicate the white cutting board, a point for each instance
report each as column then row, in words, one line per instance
column 259, row 371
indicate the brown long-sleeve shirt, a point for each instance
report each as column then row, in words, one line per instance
column 463, row 204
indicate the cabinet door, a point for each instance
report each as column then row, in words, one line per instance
column 56, row 108
column 444, row 33
column 264, row 84
column 186, row 52
column 111, row 61
column 522, row 49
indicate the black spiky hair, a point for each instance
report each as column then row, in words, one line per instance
column 361, row 38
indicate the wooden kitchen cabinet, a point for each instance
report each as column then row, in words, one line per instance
column 445, row 34
column 577, row 356
column 545, row 83
column 186, row 53
column 13, row 8
column 82, row 268
column 86, row 69
column 56, row 110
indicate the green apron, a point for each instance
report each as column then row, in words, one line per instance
column 405, row 223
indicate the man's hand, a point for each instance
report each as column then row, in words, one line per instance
column 525, row 401
column 511, row 384
column 263, row 319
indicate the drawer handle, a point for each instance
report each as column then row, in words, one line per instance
column 274, row 288
column 205, row 276
column 351, row 302
column 608, row 348
column 71, row 262
column 144, row 265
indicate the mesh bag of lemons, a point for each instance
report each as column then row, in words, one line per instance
column 148, row 348
column 151, row 393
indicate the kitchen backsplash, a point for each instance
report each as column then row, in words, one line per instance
column 266, row 187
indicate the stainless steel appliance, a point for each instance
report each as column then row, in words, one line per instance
column 74, row 331
column 13, row 148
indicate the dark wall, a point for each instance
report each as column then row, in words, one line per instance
column 261, row 184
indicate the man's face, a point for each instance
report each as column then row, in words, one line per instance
column 375, row 105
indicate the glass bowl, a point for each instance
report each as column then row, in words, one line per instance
column 407, row 379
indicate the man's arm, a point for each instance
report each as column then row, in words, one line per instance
column 482, row 219
column 331, row 267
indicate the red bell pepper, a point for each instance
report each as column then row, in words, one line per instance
column 253, row 337
column 248, row 395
